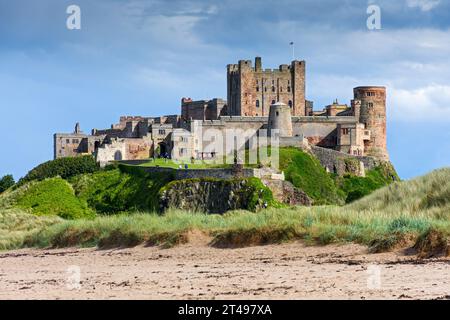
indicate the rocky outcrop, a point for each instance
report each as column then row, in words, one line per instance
column 285, row 192
column 215, row 195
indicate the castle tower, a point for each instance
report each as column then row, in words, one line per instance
column 372, row 113
column 251, row 90
column 280, row 119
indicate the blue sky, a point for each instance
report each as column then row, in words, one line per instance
column 140, row 57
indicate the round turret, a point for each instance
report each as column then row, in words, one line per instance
column 280, row 119
column 373, row 115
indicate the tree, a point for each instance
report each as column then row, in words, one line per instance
column 6, row 182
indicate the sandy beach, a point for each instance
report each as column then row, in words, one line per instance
column 198, row 271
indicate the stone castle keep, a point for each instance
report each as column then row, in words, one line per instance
column 257, row 99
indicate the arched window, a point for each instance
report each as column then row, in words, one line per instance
column 273, row 101
column 273, row 89
column 290, row 103
column 257, row 103
column 118, row 156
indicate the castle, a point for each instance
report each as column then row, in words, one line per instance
column 257, row 99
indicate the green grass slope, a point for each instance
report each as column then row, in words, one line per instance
column 120, row 190
column 53, row 197
column 307, row 174
column 354, row 188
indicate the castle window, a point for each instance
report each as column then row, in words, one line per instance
column 345, row 131
column 273, row 101
column 182, row 151
column 281, row 89
column 290, row 103
column 277, row 113
column 289, row 89
column 273, row 89
column 371, row 94
column 370, row 105
column 265, row 89
column 257, row 89
column 162, row 131
column 257, row 103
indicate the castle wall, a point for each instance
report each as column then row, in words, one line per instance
column 321, row 131
column 202, row 109
column 334, row 162
column 124, row 149
column 223, row 173
column 68, row 145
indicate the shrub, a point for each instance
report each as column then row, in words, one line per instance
column 63, row 167
column 55, row 197
column 6, row 182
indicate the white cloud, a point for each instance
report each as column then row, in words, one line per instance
column 424, row 5
column 430, row 103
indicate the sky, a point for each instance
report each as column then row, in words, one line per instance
column 141, row 57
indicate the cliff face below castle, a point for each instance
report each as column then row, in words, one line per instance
column 216, row 195
column 220, row 196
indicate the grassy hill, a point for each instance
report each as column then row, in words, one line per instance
column 49, row 197
column 306, row 173
column 408, row 214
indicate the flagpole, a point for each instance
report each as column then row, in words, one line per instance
column 293, row 50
